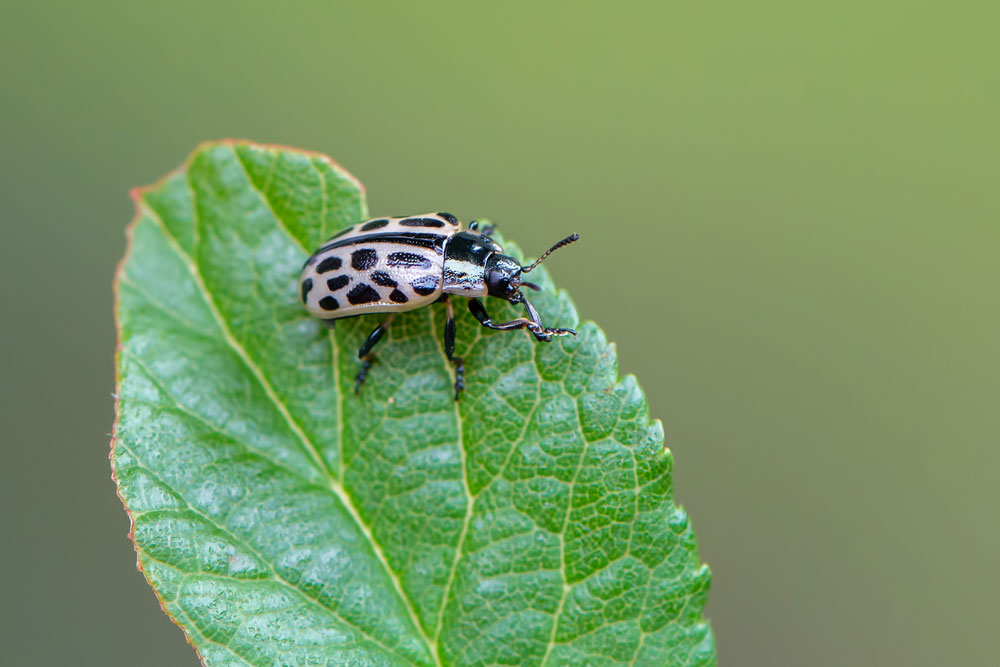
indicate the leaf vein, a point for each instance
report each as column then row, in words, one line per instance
column 274, row 575
column 468, row 497
column 562, row 535
column 215, row 429
column 267, row 202
column 334, row 346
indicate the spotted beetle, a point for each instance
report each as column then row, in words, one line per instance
column 390, row 265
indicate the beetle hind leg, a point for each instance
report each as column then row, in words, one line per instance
column 365, row 353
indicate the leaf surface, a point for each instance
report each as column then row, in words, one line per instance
column 282, row 519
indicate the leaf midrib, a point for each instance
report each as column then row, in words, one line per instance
column 310, row 448
column 334, row 348
column 337, row 483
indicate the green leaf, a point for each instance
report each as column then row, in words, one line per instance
column 281, row 519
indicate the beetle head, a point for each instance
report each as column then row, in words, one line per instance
column 503, row 277
column 503, row 273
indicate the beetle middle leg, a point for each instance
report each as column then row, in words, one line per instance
column 487, row 229
column 365, row 353
column 449, row 347
column 534, row 325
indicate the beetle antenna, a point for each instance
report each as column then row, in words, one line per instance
column 566, row 241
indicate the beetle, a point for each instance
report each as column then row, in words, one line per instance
column 391, row 265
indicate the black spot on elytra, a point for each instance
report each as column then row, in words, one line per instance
column 452, row 220
column 374, row 224
column 362, row 293
column 334, row 284
column 328, row 303
column 307, row 285
column 397, row 297
column 425, row 285
column 364, row 259
column 382, row 278
column 421, row 222
column 329, row 264
column 408, row 259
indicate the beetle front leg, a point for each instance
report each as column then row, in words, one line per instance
column 534, row 325
column 365, row 355
column 537, row 319
column 449, row 347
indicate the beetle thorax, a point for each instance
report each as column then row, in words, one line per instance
column 465, row 259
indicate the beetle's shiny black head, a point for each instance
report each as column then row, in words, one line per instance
column 503, row 277
column 503, row 273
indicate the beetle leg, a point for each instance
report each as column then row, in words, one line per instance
column 534, row 325
column 375, row 336
column 536, row 318
column 487, row 230
column 449, row 347
column 365, row 355
column 359, row 379
column 449, row 330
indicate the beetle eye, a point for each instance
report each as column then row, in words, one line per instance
column 495, row 282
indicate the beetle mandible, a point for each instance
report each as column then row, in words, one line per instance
column 390, row 265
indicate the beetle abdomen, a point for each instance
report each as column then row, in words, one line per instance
column 385, row 264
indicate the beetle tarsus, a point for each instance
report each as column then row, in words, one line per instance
column 547, row 334
column 459, row 376
column 359, row 379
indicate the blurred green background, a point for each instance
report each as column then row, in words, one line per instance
column 789, row 215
